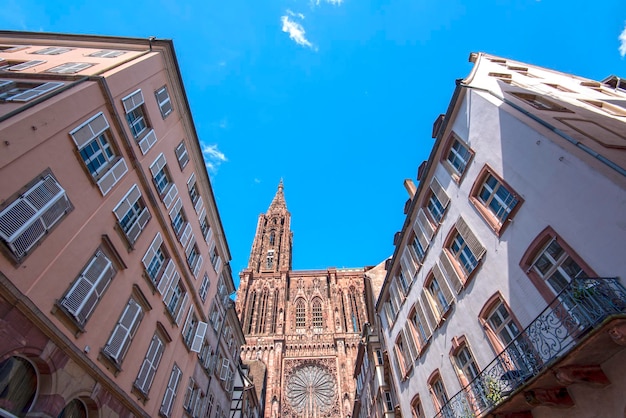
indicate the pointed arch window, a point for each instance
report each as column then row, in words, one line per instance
column 300, row 314
column 318, row 320
column 272, row 238
column 263, row 311
column 354, row 311
column 251, row 305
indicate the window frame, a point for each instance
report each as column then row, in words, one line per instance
column 496, row 301
column 139, row 217
column 70, row 67
column 538, row 102
column 452, row 265
column 457, row 176
column 163, row 103
column 497, row 225
column 150, row 364
column 128, row 331
column 439, row 403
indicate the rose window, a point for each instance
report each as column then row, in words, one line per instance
column 311, row 391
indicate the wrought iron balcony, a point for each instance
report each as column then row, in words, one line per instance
column 578, row 309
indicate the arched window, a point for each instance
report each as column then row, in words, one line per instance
column 354, row 311
column 75, row 409
column 274, row 312
column 300, row 314
column 251, row 305
column 416, row 408
column 344, row 315
column 318, row 321
column 439, row 394
column 18, row 385
column 263, row 311
column 272, row 238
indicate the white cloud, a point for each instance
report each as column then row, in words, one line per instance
column 213, row 157
column 290, row 13
column 622, row 42
column 257, row 181
column 333, row 2
column 296, row 32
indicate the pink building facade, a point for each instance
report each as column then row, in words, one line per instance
column 505, row 292
column 114, row 275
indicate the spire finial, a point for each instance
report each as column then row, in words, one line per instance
column 279, row 199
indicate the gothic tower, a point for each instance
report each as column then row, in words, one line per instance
column 304, row 325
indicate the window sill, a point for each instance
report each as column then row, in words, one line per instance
column 110, row 364
column 67, row 319
column 141, row 395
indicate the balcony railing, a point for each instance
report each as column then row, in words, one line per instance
column 579, row 307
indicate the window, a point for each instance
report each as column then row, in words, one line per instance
column 181, row 227
column 75, row 408
column 150, row 364
column 495, row 200
column 124, row 331
column 416, row 408
column 92, row 139
column 194, row 259
column 464, row 365
column 418, row 248
column 388, row 402
column 424, row 232
column 540, row 102
column 163, row 99
column 269, row 262
column 162, row 181
column 194, row 331
column 137, row 121
column 300, row 313
column 159, row 267
column 420, row 328
column 204, row 287
column 464, row 248
column 318, row 321
column 132, row 214
column 106, row 53
column 52, row 51
column 70, row 68
column 439, row 395
column 85, row 293
column 194, row 193
column 499, row 323
column 182, row 155
column 205, row 227
column 216, row 260
column 19, row 65
column 216, row 316
column 437, row 202
column 176, row 298
column 170, row 392
column 403, row 357
column 23, row 91
column 611, row 109
column 440, row 296
column 551, row 264
column 32, row 214
column 19, row 386
column 193, row 398
column 457, row 158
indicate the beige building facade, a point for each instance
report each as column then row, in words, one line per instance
column 114, row 275
column 505, row 292
column 304, row 325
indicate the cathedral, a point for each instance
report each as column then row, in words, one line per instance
column 303, row 325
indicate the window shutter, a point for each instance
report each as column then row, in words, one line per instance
column 165, row 105
column 169, row 197
column 183, row 306
column 184, row 237
column 470, row 239
column 196, row 268
column 132, row 101
column 209, row 239
column 137, row 227
column 225, row 369
column 127, row 202
column 425, row 324
column 182, row 155
column 218, row 264
column 110, row 179
column 158, row 164
column 152, row 250
column 443, row 284
column 147, row 142
column 439, row 192
column 168, row 275
column 82, row 297
column 25, row 65
column 198, row 338
column 192, row 181
column 30, row 216
column 428, row 309
column 407, row 264
column 171, row 285
column 175, row 209
column 421, row 235
column 120, row 338
column 408, row 336
column 89, row 130
column 190, row 246
column 170, row 392
column 453, row 276
column 198, row 206
column 150, row 364
column 425, row 224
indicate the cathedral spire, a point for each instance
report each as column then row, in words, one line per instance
column 278, row 203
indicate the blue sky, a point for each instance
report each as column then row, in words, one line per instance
column 335, row 97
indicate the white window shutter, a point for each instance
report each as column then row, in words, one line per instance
column 127, row 202
column 171, row 194
column 163, row 98
column 133, row 101
column 427, row 227
column 184, row 237
column 152, row 250
column 85, row 133
column 439, row 192
column 196, row 268
column 225, row 368
column 470, row 239
column 121, row 335
column 170, row 392
column 34, row 92
column 158, row 164
column 192, row 181
column 451, row 272
column 410, row 341
column 198, row 206
column 198, row 338
column 443, row 283
column 112, row 176
column 182, row 155
column 218, row 264
column 175, row 209
column 422, row 318
column 183, row 306
column 166, row 278
column 407, row 263
column 147, row 142
column 138, row 226
column 150, row 365
column 432, row 322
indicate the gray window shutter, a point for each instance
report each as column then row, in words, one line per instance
column 425, row 224
column 147, row 142
column 120, row 338
column 183, row 306
column 158, row 164
column 175, row 209
column 198, row 338
column 198, row 205
column 163, row 98
column 428, row 309
column 83, row 296
column 171, row 194
column 439, row 192
column 171, row 285
column 184, row 237
column 29, row 217
column 85, row 133
column 451, row 272
column 150, row 365
column 138, row 226
column 196, row 268
column 470, row 239
column 168, row 275
column 170, row 392
column 111, row 177
column 192, row 181
column 410, row 340
column 407, row 265
column 182, row 155
column 225, row 368
column 443, row 283
column 420, row 314
column 133, row 101
column 35, row 92
column 152, row 250
column 25, row 65
column 127, row 202
column 218, row 264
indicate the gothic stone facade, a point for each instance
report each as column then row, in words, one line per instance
column 305, row 325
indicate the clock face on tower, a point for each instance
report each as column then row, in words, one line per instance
column 311, row 391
